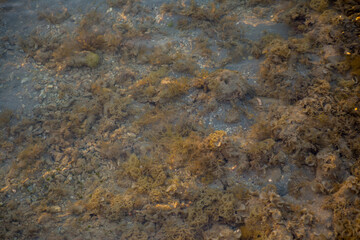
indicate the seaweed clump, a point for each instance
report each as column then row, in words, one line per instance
column 148, row 176
column 85, row 58
column 298, row 17
column 319, row 5
column 56, row 16
column 212, row 206
column 112, row 206
column 158, row 87
column 344, row 204
column 81, row 48
column 30, row 155
column 129, row 6
column 224, row 85
column 5, row 117
column 278, row 68
column 202, row 156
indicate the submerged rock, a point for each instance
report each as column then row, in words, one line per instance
column 85, row 59
column 227, row 85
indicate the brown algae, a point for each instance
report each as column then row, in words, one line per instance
column 155, row 131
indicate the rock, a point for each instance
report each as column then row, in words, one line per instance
column 92, row 60
column 227, row 85
column 84, row 59
column 54, row 209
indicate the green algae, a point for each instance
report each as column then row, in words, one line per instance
column 92, row 60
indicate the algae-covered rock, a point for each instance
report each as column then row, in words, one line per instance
column 84, row 59
column 227, row 85
column 319, row 5
column 5, row 117
column 92, row 60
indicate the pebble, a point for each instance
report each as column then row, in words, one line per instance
column 24, row 80
column 132, row 135
column 55, row 209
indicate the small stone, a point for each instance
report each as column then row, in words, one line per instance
column 54, row 209
column 242, row 207
column 132, row 135
column 24, row 80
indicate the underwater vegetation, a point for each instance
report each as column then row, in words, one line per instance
column 148, row 135
column 82, row 49
column 54, row 16
column 223, row 85
column 319, row 5
column 5, row 117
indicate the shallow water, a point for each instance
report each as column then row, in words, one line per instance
column 141, row 120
